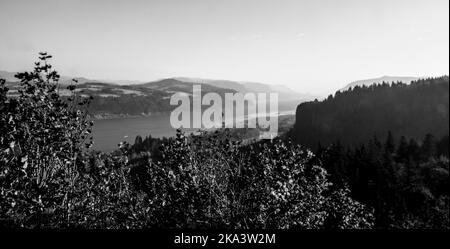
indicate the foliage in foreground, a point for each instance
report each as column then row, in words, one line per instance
column 222, row 183
column 41, row 136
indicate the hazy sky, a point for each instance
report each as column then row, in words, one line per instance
column 311, row 46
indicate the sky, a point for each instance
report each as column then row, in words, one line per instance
column 311, row 46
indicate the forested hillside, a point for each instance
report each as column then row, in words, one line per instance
column 356, row 115
column 389, row 144
column 406, row 181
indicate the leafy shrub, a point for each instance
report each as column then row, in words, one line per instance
column 41, row 136
column 209, row 180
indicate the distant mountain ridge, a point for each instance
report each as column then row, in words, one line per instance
column 64, row 80
column 387, row 79
column 284, row 93
column 114, row 99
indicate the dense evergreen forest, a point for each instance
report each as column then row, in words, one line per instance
column 389, row 144
column 356, row 115
column 406, row 181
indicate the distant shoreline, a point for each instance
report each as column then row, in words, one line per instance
column 107, row 116
column 122, row 116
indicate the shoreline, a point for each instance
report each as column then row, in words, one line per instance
column 124, row 116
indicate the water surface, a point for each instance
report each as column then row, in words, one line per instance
column 108, row 133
